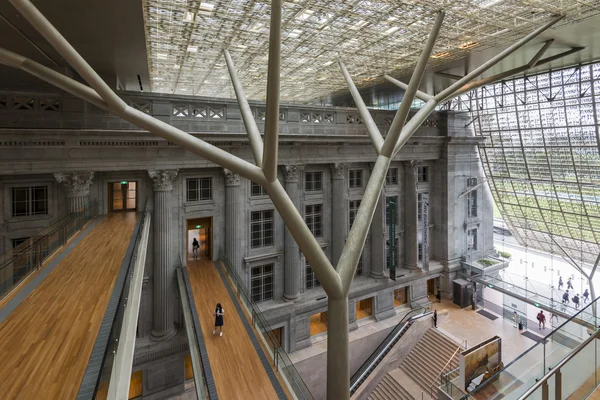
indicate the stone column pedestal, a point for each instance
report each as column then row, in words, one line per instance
column 291, row 259
column 77, row 185
column 411, row 250
column 163, row 281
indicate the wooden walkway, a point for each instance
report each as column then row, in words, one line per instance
column 46, row 341
column 236, row 367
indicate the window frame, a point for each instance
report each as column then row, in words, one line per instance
column 313, row 182
column 472, row 204
column 260, row 278
column 314, row 219
column 265, row 240
column 352, row 211
column 355, row 178
column 261, row 191
column 423, row 175
column 30, row 201
column 472, row 233
column 391, row 178
column 310, row 278
column 199, row 190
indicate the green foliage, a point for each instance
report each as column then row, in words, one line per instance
column 486, row 262
column 504, row 254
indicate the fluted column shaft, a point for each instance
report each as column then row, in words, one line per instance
column 291, row 258
column 338, row 211
column 411, row 251
column 77, row 185
column 233, row 215
column 163, row 272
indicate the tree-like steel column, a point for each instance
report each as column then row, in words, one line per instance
column 411, row 220
column 233, row 209
column 291, row 273
column 77, row 185
column 163, row 280
column 335, row 281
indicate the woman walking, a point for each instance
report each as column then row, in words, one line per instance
column 218, row 319
column 195, row 247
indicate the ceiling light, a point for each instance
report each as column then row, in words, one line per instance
column 468, row 45
column 241, row 46
column 188, row 16
column 183, row 89
column 176, row 66
column 391, row 19
column 391, row 30
column 157, row 78
column 206, row 8
column 359, row 25
column 295, row 33
column 487, row 3
column 258, row 27
column 192, row 49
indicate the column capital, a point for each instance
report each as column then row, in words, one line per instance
column 163, row 179
column 411, row 166
column 290, row 172
column 231, row 178
column 77, row 183
column 337, row 170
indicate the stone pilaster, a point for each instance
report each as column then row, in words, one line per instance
column 411, row 250
column 77, row 185
column 163, row 272
column 234, row 215
column 339, row 219
column 292, row 275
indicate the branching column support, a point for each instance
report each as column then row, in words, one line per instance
column 335, row 281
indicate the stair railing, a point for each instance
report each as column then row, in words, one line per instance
column 462, row 346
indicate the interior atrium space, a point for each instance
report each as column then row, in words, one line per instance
column 301, row 199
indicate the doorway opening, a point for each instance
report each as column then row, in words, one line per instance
column 201, row 230
column 277, row 336
column 400, row 296
column 122, row 196
column 318, row 323
column 431, row 287
column 364, row 308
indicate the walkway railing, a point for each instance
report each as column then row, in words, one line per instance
column 384, row 348
column 279, row 357
column 19, row 262
column 522, row 373
column 444, row 374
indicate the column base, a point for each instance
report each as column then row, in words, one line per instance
column 377, row 275
column 287, row 299
column 413, row 267
column 163, row 336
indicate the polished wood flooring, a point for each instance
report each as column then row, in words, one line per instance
column 46, row 342
column 237, row 370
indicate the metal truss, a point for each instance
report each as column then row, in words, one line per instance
column 185, row 39
column 336, row 281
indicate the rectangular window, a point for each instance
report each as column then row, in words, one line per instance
column 18, row 241
column 472, row 203
column 387, row 209
column 198, row 189
column 353, row 206
column 261, row 228
column 311, row 279
column 261, row 283
column 423, row 174
column 355, row 176
column 313, row 181
column 472, row 239
column 313, row 216
column 32, row 200
column 257, row 190
column 419, row 207
column 392, row 176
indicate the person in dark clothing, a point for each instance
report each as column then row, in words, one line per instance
column 438, row 296
column 435, row 318
column 541, row 319
column 576, row 301
column 560, row 283
column 586, row 296
column 569, row 284
column 195, row 247
column 218, row 319
column 566, row 297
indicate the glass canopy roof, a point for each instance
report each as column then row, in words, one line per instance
column 185, row 39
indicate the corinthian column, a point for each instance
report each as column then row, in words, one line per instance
column 411, row 251
column 338, row 211
column 163, row 272
column 291, row 288
column 77, row 185
column 234, row 218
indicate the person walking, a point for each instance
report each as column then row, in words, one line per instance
column 515, row 318
column 541, row 320
column 438, row 296
column 569, row 284
column 576, row 301
column 566, row 297
column 218, row 319
column 435, row 318
column 586, row 296
column 552, row 316
column 195, row 247
column 560, row 283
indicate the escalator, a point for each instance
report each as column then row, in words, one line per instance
column 385, row 347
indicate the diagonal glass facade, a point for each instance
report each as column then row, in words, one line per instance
column 542, row 156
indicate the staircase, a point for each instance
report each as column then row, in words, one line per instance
column 389, row 389
column 427, row 359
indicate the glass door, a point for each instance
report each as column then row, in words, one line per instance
column 123, row 196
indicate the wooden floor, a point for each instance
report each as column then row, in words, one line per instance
column 237, row 370
column 46, row 342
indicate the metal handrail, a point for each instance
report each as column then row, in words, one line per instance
column 445, row 366
column 558, row 366
column 383, row 350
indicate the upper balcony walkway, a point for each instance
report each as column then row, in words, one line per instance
column 49, row 325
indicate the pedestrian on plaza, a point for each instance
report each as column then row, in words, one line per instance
column 435, row 318
column 552, row 316
column 438, row 296
column 586, row 296
column 515, row 318
column 576, row 301
column 566, row 297
column 560, row 283
column 195, row 247
column 218, row 314
column 569, row 284
column 541, row 320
